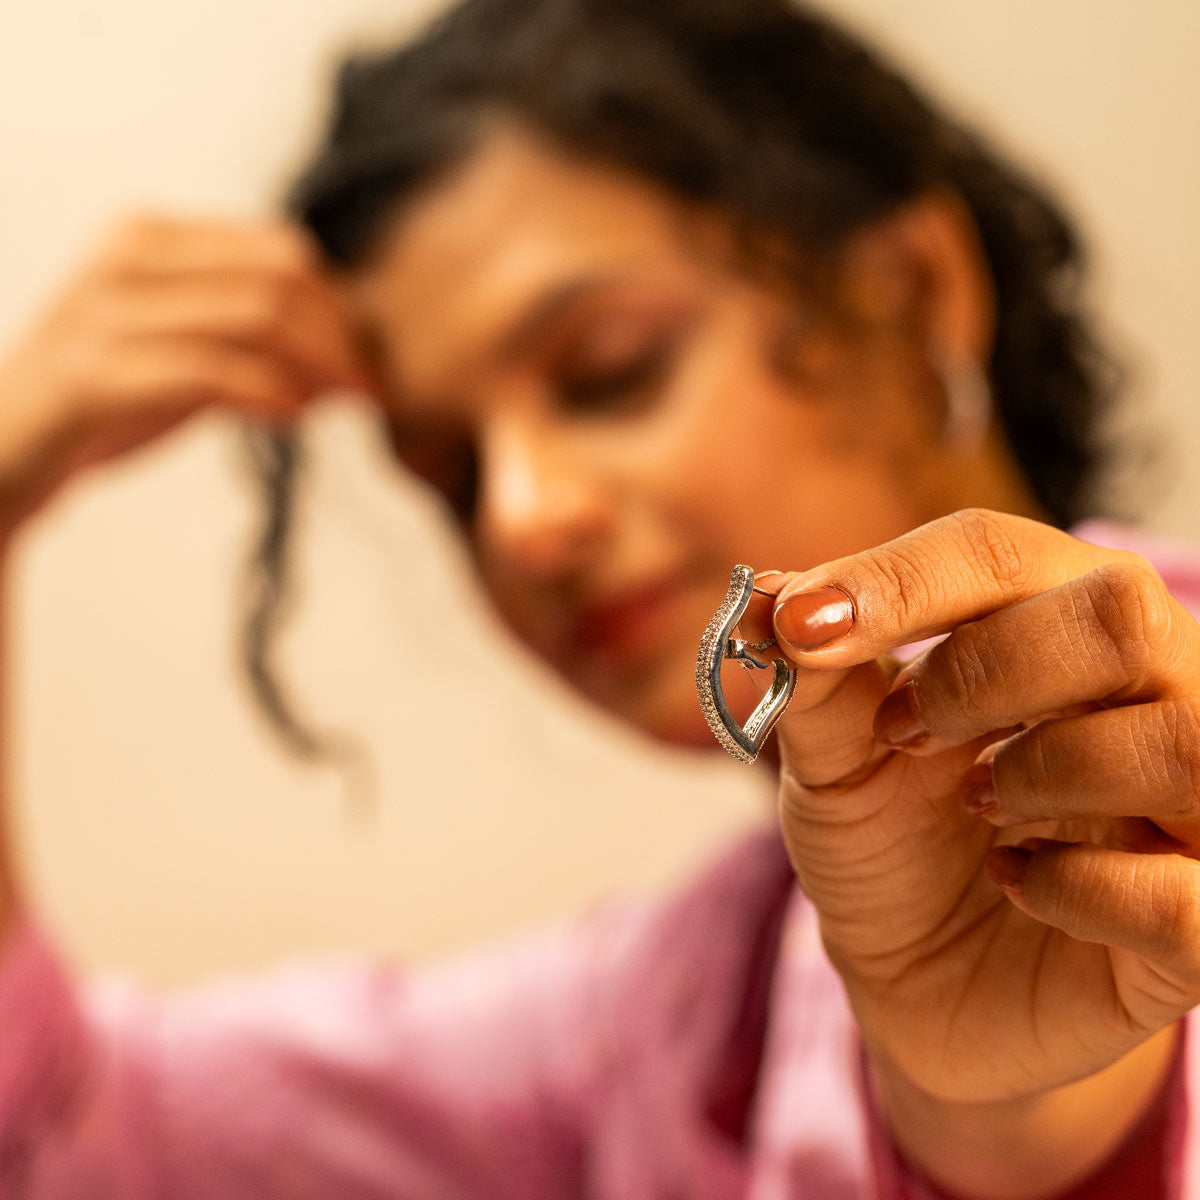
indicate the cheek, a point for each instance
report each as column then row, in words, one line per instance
column 760, row 472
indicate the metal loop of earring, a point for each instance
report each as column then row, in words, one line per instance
column 718, row 643
column 968, row 400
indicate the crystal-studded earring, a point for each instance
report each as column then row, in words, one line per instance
column 718, row 643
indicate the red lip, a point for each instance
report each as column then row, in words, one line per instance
column 632, row 620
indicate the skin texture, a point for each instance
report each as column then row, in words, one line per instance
column 617, row 412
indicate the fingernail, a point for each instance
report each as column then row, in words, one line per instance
column 810, row 620
column 768, row 582
column 979, row 789
column 898, row 721
column 1007, row 865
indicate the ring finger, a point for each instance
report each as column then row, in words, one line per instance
column 1112, row 635
column 1140, row 760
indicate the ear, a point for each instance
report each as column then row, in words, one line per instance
column 924, row 266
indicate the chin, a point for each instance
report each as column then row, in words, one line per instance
column 673, row 728
column 662, row 705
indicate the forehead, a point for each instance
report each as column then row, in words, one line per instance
column 515, row 222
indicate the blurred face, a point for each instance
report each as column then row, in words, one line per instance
column 617, row 414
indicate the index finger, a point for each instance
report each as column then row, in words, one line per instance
column 155, row 246
column 955, row 569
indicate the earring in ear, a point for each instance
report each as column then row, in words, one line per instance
column 968, row 401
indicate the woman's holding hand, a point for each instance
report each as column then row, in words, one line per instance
column 1001, row 837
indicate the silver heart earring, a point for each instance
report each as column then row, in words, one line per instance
column 718, row 643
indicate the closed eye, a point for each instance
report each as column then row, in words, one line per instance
column 618, row 386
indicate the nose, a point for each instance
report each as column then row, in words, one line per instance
column 541, row 508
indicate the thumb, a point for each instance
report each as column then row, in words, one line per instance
column 827, row 734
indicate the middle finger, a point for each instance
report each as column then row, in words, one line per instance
column 1113, row 635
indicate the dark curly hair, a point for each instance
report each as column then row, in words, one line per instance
column 762, row 107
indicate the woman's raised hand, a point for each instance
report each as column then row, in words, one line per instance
column 1063, row 705
column 169, row 318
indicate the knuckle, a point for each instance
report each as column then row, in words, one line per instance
column 298, row 248
column 188, row 373
column 969, row 665
column 1130, row 610
column 287, row 250
column 127, row 244
column 202, row 369
column 1179, row 754
column 1040, row 768
column 1173, row 900
column 1024, row 765
column 991, row 542
column 1073, row 880
column 904, row 582
column 271, row 307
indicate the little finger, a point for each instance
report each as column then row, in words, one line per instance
column 1148, row 904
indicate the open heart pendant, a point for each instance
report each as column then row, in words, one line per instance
column 718, row 643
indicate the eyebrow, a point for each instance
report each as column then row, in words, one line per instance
column 545, row 309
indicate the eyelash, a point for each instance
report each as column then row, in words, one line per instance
column 455, row 476
column 615, row 388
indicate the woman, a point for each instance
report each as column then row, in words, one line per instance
column 645, row 291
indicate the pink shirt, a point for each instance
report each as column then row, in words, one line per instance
column 696, row 1048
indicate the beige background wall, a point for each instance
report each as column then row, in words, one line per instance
column 161, row 831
